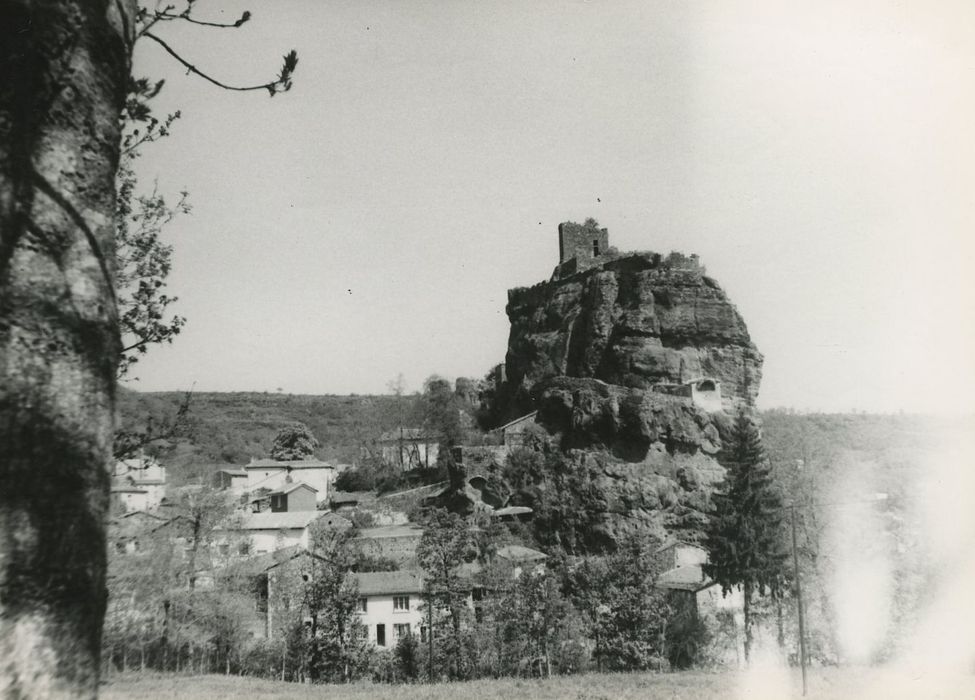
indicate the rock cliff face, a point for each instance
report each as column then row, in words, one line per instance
column 600, row 355
column 636, row 321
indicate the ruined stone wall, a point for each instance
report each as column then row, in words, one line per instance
column 582, row 242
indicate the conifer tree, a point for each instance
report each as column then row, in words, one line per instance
column 744, row 534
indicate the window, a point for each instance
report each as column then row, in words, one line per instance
column 363, row 605
column 224, row 549
column 381, row 635
column 245, row 548
column 423, row 633
column 595, row 246
column 401, row 603
column 402, row 630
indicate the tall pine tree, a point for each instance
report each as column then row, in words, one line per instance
column 745, row 533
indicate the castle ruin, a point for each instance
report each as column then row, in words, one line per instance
column 580, row 246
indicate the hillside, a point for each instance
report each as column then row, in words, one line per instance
column 230, row 428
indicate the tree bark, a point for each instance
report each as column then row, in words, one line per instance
column 64, row 66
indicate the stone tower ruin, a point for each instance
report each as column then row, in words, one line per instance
column 580, row 245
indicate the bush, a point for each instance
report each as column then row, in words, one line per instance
column 263, row 659
column 407, row 655
column 687, row 635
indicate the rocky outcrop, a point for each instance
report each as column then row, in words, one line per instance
column 602, row 355
column 634, row 321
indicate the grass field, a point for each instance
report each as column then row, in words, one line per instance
column 824, row 684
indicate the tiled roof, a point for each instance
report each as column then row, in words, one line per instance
column 518, row 420
column 389, row 582
column 407, row 434
column 345, row 497
column 517, row 554
column 258, row 564
column 292, row 487
column 291, row 520
column 683, row 578
column 292, row 464
column 390, row 531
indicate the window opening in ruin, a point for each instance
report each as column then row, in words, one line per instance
column 595, row 246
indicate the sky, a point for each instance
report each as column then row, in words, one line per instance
column 819, row 157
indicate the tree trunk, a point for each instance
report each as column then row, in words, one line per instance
column 747, row 594
column 780, row 622
column 64, row 66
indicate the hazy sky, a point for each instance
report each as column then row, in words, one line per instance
column 819, row 157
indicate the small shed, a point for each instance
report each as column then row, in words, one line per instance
column 234, row 479
column 513, row 433
column 293, row 497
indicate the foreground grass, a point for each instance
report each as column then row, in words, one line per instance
column 824, row 684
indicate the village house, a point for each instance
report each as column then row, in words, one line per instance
column 513, row 433
column 389, row 605
column 138, row 484
column 690, row 591
column 127, row 532
column 274, row 475
column 262, row 533
column 395, row 542
column 231, row 479
column 293, row 497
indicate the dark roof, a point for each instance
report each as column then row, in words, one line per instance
column 290, row 464
column 389, row 582
column 261, row 563
column 121, row 488
column 518, row 554
column 289, row 520
column 683, row 578
column 345, row 497
column 407, row 434
column 390, row 532
column 292, row 487
column 518, row 420
column 232, row 472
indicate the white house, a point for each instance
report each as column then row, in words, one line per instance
column 270, row 531
column 272, row 475
column 389, row 605
column 235, row 480
column 138, row 484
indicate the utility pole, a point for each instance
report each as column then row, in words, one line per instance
column 802, row 624
column 430, row 634
column 795, row 563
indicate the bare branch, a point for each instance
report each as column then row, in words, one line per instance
column 281, row 84
column 185, row 15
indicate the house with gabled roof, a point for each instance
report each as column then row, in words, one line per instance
column 293, row 497
column 272, row 474
column 389, row 605
column 513, row 432
column 138, row 484
column 270, row 531
column 230, row 478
